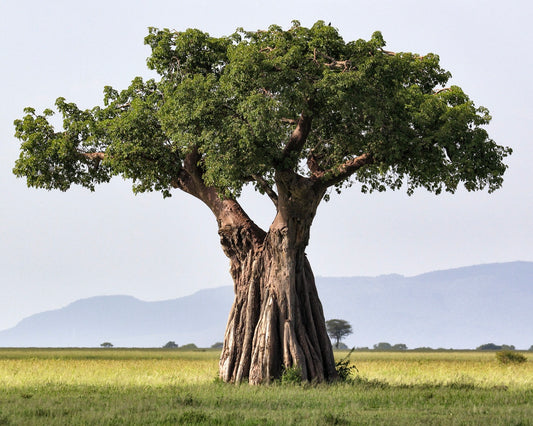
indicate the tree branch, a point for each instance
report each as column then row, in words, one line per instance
column 333, row 62
column 263, row 184
column 312, row 162
column 289, row 121
column 98, row 156
column 444, row 89
column 339, row 173
column 389, row 53
column 298, row 136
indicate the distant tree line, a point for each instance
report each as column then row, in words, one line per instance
column 493, row 347
column 342, row 330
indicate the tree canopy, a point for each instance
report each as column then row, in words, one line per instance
column 257, row 102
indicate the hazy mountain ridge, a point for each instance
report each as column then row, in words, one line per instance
column 459, row 308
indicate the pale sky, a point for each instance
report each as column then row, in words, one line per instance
column 58, row 247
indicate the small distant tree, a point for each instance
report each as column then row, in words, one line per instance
column 531, row 348
column 489, row 347
column 399, row 347
column 106, row 345
column 189, row 347
column 170, row 345
column 337, row 329
column 382, row 346
column 217, row 345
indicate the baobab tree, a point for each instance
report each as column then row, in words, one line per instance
column 295, row 113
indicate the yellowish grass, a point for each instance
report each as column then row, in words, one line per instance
column 119, row 369
column 162, row 368
column 443, row 368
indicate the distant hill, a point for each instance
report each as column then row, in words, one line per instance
column 455, row 308
column 128, row 322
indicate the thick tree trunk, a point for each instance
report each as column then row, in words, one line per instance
column 276, row 321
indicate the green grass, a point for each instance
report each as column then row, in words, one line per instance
column 120, row 386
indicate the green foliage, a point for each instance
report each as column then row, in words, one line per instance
column 106, row 345
column 189, row 347
column 345, row 369
column 382, row 346
column 291, row 376
column 510, row 357
column 170, row 345
column 235, row 101
column 217, row 345
column 399, row 347
column 493, row 347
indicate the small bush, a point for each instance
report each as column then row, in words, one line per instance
column 510, row 357
column 292, row 376
column 345, row 369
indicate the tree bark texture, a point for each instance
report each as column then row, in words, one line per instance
column 276, row 321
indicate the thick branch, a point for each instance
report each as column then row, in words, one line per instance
column 314, row 167
column 298, row 136
column 444, row 89
column 99, row 156
column 345, row 170
column 289, row 120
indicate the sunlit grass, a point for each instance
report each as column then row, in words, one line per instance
column 106, row 367
column 129, row 386
column 480, row 369
column 123, row 367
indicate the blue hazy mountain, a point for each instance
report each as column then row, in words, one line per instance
column 455, row 308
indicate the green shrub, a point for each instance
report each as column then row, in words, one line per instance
column 292, row 376
column 345, row 369
column 510, row 357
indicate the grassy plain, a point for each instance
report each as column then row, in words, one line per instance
column 133, row 386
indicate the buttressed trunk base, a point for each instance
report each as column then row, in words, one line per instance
column 276, row 321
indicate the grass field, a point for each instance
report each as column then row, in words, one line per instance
column 132, row 386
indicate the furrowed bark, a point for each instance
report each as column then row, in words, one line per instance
column 276, row 321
